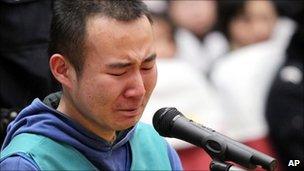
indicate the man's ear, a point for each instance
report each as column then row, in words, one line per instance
column 62, row 70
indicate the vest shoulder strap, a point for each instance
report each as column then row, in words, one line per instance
column 149, row 149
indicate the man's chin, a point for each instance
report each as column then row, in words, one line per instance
column 124, row 126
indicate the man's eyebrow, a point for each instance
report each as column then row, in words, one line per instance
column 126, row 64
column 119, row 65
column 150, row 58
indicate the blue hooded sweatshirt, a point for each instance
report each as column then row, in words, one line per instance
column 39, row 118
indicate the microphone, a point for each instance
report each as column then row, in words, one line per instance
column 169, row 122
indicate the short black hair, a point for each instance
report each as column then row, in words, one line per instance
column 227, row 11
column 68, row 29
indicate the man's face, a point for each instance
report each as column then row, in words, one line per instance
column 118, row 75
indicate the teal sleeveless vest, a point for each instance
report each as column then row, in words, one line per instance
column 149, row 151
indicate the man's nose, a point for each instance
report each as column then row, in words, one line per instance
column 136, row 88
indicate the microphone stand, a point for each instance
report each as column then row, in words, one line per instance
column 217, row 165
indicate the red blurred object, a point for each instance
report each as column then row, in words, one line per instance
column 194, row 158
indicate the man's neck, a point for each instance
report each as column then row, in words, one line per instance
column 66, row 107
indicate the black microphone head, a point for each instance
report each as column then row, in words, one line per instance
column 163, row 118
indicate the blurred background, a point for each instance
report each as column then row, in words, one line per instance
column 235, row 66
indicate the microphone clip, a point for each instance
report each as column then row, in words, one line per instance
column 216, row 165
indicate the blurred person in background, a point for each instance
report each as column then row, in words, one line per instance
column 179, row 84
column 257, row 40
column 284, row 109
column 24, row 69
column 184, row 87
column 195, row 41
column 246, row 22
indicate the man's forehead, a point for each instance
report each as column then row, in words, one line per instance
column 107, row 24
column 116, row 41
column 106, row 31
